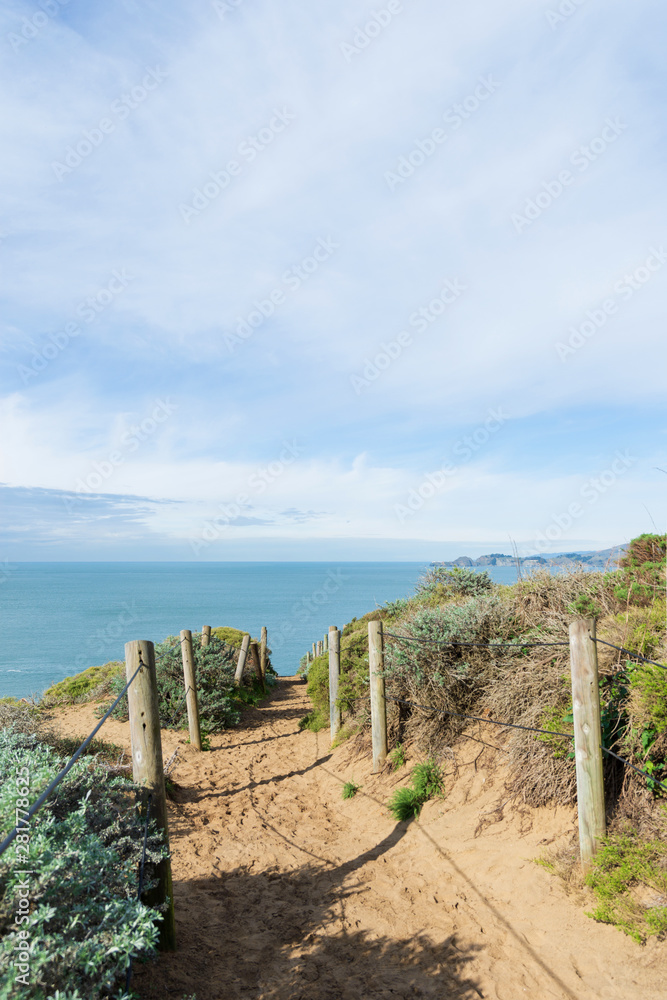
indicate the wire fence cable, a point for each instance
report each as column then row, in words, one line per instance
column 479, row 718
column 628, row 652
column 68, row 767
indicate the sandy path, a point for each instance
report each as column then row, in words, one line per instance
column 285, row 891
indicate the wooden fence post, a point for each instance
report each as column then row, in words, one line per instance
column 263, row 652
column 190, row 688
column 378, row 703
column 148, row 770
column 256, row 663
column 319, row 648
column 314, row 650
column 326, row 642
column 205, row 635
column 587, row 737
column 334, row 677
column 238, row 676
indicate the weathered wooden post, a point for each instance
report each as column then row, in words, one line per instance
column 205, row 635
column 190, row 688
column 263, row 654
column 334, row 677
column 240, row 666
column 378, row 703
column 314, row 650
column 326, row 642
column 319, row 648
column 148, row 770
column 255, row 661
column 587, row 737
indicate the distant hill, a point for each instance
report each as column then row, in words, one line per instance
column 602, row 559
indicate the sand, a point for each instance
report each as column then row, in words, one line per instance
column 283, row 890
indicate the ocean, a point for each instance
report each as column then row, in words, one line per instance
column 59, row 618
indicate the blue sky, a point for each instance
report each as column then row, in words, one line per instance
column 342, row 280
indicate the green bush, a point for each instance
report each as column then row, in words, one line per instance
column 232, row 636
column 623, row 865
column 84, row 920
column 86, row 686
column 214, row 670
column 443, row 582
column 642, row 570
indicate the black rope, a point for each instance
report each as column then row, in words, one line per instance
column 628, row 652
column 68, row 767
column 478, row 718
column 128, row 975
column 637, row 769
column 484, row 645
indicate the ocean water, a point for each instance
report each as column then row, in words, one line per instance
column 59, row 618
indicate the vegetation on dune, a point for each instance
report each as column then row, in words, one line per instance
column 84, row 920
column 83, row 848
column 524, row 685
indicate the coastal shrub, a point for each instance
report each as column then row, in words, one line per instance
column 442, row 582
column 82, row 849
column 641, row 576
column 95, row 682
column 232, row 636
column 628, row 877
column 214, row 669
column 318, row 692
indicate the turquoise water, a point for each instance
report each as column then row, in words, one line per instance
column 59, row 618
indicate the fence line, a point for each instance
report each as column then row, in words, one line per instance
column 68, row 767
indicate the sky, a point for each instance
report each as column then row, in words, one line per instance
column 341, row 280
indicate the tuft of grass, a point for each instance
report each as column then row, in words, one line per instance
column 397, row 757
column 404, row 804
column 427, row 780
column 628, row 876
column 350, row 789
column 314, row 721
column 427, row 783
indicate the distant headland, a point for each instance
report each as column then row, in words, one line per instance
column 602, row 559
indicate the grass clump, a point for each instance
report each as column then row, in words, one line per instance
column 427, row 782
column 396, row 758
column 350, row 789
column 628, row 877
